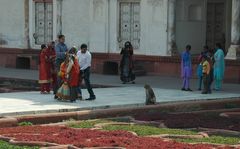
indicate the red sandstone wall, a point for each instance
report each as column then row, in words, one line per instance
column 8, row 57
column 168, row 66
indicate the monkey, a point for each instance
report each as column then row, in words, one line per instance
column 150, row 96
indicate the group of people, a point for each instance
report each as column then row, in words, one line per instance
column 63, row 70
column 211, row 68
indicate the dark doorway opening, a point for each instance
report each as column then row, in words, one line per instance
column 216, row 26
column 110, row 67
column 23, row 63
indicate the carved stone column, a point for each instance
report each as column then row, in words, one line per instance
column 26, row 23
column 235, row 33
column 171, row 29
column 59, row 7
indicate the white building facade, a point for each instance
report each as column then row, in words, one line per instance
column 155, row 27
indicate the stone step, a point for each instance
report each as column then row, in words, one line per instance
column 139, row 69
column 140, row 72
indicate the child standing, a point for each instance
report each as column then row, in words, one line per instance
column 199, row 68
column 199, row 72
column 206, row 72
column 44, row 70
column 186, row 67
column 211, row 62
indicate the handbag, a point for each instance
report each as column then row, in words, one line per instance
column 64, row 92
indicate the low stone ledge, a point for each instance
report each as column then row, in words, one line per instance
column 177, row 136
column 150, row 123
column 221, row 132
column 6, row 139
column 236, row 146
column 31, row 143
column 47, row 118
column 215, row 145
column 207, row 111
column 235, row 115
column 13, row 141
column 105, row 148
column 205, row 135
column 113, row 112
column 61, row 147
column 101, row 125
column 8, row 122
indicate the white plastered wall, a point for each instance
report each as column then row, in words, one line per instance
column 12, row 32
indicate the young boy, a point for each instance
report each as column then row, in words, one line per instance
column 206, row 72
column 199, row 68
column 211, row 62
column 199, row 72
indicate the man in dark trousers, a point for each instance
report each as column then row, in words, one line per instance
column 85, row 59
column 61, row 50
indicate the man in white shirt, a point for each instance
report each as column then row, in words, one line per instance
column 85, row 59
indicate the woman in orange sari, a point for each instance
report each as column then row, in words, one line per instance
column 44, row 70
column 69, row 73
column 73, row 72
column 63, row 92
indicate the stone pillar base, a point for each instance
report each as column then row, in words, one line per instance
column 233, row 52
column 175, row 52
column 172, row 49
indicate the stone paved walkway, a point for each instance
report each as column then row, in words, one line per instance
column 166, row 90
column 33, row 102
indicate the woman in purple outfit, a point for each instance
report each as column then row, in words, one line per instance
column 186, row 68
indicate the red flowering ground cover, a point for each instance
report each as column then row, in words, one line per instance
column 93, row 138
column 192, row 120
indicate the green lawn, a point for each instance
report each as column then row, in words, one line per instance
column 148, row 130
column 143, row 130
column 5, row 145
column 139, row 129
column 213, row 139
column 25, row 124
column 87, row 123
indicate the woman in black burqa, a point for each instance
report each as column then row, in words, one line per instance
column 126, row 64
